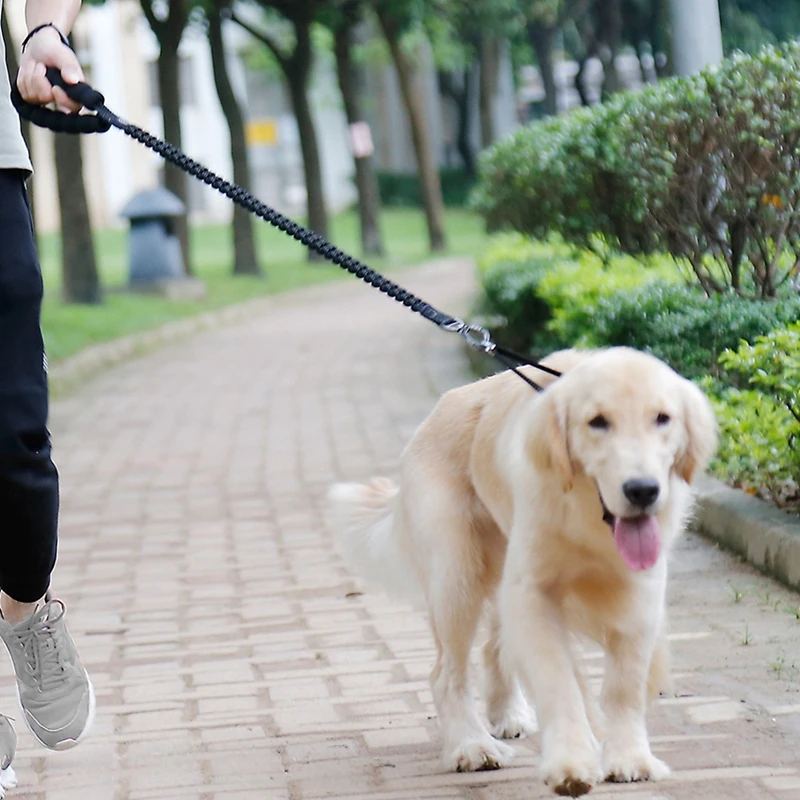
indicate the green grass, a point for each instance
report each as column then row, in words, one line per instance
column 70, row 328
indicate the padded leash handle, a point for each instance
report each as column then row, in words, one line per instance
column 58, row 121
column 78, row 92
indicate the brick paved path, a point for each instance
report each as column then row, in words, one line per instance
column 232, row 659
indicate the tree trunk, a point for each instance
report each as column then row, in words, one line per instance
column 489, row 70
column 169, row 92
column 245, row 260
column 317, row 215
column 423, row 147
column 588, row 35
column 464, row 140
column 459, row 92
column 297, row 69
column 169, row 31
column 350, row 84
column 658, row 30
column 580, row 87
column 610, row 36
column 541, row 38
column 81, row 282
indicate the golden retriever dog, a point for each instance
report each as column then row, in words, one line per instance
column 554, row 513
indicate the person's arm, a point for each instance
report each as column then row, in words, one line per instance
column 46, row 49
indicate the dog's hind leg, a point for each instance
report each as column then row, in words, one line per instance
column 510, row 714
column 457, row 582
column 468, row 745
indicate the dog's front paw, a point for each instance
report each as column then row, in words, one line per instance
column 475, row 755
column 570, row 773
column 633, row 764
column 516, row 722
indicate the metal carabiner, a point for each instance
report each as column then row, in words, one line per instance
column 476, row 336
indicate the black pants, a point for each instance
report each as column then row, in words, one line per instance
column 28, row 477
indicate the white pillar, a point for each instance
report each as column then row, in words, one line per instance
column 696, row 35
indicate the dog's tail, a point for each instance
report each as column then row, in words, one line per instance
column 363, row 516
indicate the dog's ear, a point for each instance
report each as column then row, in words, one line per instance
column 548, row 445
column 700, row 433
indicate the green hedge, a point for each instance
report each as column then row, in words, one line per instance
column 541, row 297
column 403, row 188
column 758, row 445
column 538, row 297
column 682, row 326
column 705, row 168
column 760, row 449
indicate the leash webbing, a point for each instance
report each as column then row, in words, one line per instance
column 103, row 119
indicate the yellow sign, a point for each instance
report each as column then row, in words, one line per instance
column 772, row 200
column 262, row 132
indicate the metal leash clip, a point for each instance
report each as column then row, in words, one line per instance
column 475, row 336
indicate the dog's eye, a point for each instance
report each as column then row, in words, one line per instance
column 663, row 419
column 599, row 423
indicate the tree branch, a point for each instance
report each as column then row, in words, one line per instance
column 178, row 15
column 264, row 38
column 156, row 24
column 303, row 52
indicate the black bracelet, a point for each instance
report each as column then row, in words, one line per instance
column 38, row 28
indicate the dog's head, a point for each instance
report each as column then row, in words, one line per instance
column 633, row 426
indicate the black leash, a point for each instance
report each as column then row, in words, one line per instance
column 103, row 119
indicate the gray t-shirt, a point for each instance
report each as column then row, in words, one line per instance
column 13, row 152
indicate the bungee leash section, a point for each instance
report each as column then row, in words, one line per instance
column 103, row 119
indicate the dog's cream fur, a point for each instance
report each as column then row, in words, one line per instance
column 499, row 508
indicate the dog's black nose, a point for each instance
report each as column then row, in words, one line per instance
column 641, row 492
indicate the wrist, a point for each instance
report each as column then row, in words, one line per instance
column 46, row 29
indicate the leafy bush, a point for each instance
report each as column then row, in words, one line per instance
column 682, row 326
column 510, row 273
column 772, row 365
column 537, row 180
column 706, row 168
column 578, row 286
column 760, row 447
column 541, row 297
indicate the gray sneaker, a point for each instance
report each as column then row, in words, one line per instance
column 55, row 693
column 8, row 748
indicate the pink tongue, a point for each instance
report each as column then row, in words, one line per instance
column 638, row 540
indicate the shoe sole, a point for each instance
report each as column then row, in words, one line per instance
column 66, row 744
column 8, row 779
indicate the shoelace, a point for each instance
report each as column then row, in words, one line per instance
column 41, row 644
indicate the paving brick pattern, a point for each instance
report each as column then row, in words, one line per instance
column 234, row 656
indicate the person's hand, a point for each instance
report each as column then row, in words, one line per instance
column 45, row 49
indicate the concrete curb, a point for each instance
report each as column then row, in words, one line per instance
column 762, row 534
